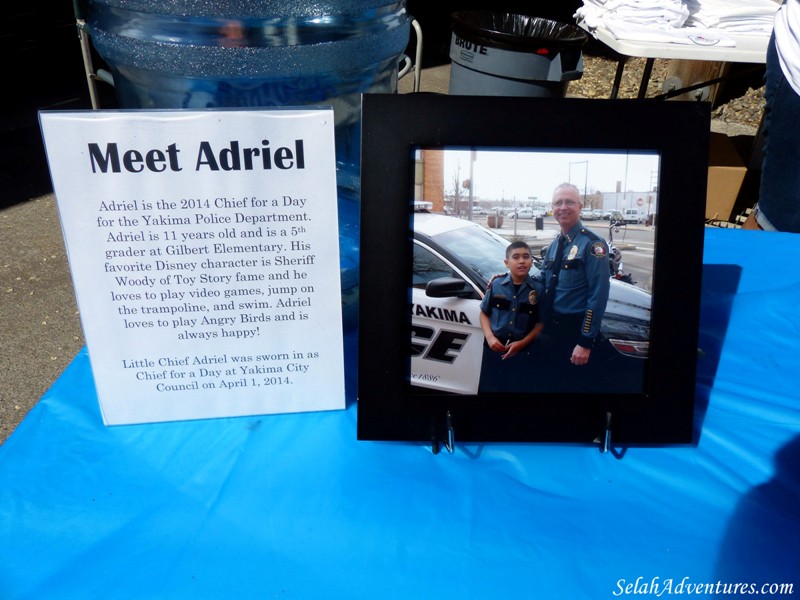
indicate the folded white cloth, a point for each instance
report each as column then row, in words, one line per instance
column 645, row 12
column 724, row 8
column 740, row 16
column 696, row 36
column 702, row 22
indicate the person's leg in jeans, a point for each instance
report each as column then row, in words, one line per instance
column 779, row 194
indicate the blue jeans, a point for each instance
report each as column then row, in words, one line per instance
column 779, row 195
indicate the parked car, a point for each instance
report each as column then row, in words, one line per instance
column 454, row 260
column 527, row 213
column 587, row 215
column 633, row 215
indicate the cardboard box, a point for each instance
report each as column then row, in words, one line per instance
column 726, row 171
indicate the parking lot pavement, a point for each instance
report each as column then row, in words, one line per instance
column 524, row 229
column 535, row 238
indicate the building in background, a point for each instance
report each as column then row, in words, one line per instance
column 429, row 181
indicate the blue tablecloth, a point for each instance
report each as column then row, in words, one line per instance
column 292, row 506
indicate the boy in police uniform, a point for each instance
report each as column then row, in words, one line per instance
column 510, row 323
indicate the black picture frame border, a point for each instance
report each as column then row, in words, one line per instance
column 392, row 127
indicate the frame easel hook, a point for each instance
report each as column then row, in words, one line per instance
column 605, row 440
column 450, row 442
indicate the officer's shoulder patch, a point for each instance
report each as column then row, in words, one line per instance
column 598, row 250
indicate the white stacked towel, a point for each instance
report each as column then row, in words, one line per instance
column 661, row 13
column 733, row 16
column 691, row 36
column 703, row 22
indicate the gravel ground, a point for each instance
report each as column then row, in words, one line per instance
column 41, row 329
column 737, row 114
column 740, row 114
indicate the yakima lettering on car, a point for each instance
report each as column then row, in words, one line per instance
column 441, row 314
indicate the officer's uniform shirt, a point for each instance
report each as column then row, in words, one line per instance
column 513, row 313
column 581, row 292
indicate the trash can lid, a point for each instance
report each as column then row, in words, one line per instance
column 516, row 32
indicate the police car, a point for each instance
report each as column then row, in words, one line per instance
column 453, row 261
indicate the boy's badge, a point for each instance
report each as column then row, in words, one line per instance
column 598, row 249
column 533, row 297
column 573, row 252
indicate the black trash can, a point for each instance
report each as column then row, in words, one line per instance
column 539, row 223
column 501, row 54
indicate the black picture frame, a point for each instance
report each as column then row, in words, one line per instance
column 393, row 127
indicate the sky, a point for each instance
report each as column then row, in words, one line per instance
column 523, row 174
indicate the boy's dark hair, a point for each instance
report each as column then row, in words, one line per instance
column 514, row 245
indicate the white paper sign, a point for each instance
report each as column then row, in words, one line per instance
column 204, row 252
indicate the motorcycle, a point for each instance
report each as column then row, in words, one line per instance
column 615, row 255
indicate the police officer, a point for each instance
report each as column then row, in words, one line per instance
column 576, row 275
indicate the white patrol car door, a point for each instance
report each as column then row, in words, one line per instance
column 446, row 336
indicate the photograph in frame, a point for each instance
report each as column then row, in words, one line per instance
column 447, row 184
column 459, row 237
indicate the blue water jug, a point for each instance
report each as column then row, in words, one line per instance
column 244, row 53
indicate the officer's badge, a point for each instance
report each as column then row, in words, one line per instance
column 573, row 252
column 598, row 250
column 533, row 297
